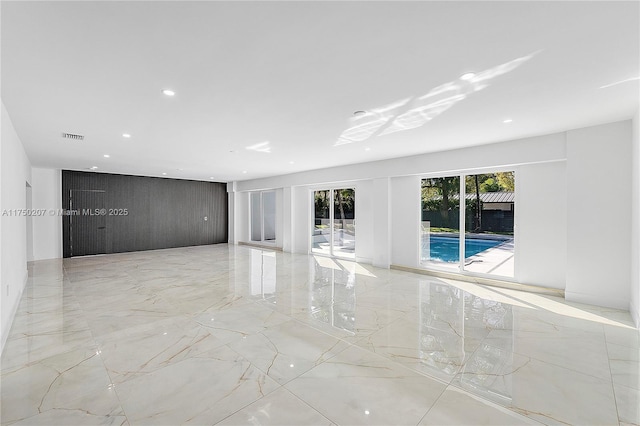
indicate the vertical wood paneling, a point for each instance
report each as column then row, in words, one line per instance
column 162, row 213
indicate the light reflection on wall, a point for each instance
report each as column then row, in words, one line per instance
column 414, row 112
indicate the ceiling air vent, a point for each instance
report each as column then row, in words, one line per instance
column 72, row 136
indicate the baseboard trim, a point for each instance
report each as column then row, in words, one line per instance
column 597, row 300
column 484, row 281
column 14, row 310
column 261, row 246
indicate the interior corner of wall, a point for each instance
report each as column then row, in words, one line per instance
column 635, row 313
column 366, row 260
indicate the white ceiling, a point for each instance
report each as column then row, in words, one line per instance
column 293, row 74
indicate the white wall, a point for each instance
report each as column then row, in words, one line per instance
column 573, row 209
column 279, row 217
column 388, row 202
column 29, row 225
column 288, row 219
column 541, row 226
column 16, row 173
column 634, row 305
column 3, row 334
column 302, row 212
column 365, row 215
column 47, row 229
column 381, row 208
column 599, row 215
column 405, row 221
column 540, row 232
column 231, row 218
column 524, row 151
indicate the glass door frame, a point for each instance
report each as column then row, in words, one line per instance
column 461, row 270
column 331, row 189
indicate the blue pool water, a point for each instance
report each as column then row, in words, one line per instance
column 446, row 248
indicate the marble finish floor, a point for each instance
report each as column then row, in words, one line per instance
column 235, row 335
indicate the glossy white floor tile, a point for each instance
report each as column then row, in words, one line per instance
column 287, row 350
column 202, row 389
column 280, row 407
column 457, row 407
column 360, row 387
column 236, row 335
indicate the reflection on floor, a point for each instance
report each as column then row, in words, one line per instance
column 236, row 335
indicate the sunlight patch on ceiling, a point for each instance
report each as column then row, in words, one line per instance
column 620, row 82
column 414, row 112
column 260, row 147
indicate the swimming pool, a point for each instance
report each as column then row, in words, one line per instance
column 445, row 249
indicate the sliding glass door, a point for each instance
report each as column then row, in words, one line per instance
column 334, row 225
column 263, row 216
column 487, row 244
column 489, row 223
column 321, row 231
column 440, row 226
column 344, row 222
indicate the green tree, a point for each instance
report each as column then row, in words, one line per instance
column 490, row 185
column 506, row 180
column 439, row 194
column 321, row 199
column 478, row 204
column 344, row 198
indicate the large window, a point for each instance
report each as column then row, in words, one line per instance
column 487, row 244
column 263, row 216
column 334, row 227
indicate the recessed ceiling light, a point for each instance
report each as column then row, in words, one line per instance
column 291, row 162
column 106, row 156
column 164, row 174
column 507, row 121
column 367, row 149
column 126, row 135
column 467, row 76
column 359, row 113
column 244, row 171
column 94, row 168
column 168, row 92
column 211, row 177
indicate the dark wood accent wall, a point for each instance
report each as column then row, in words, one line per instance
column 160, row 213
